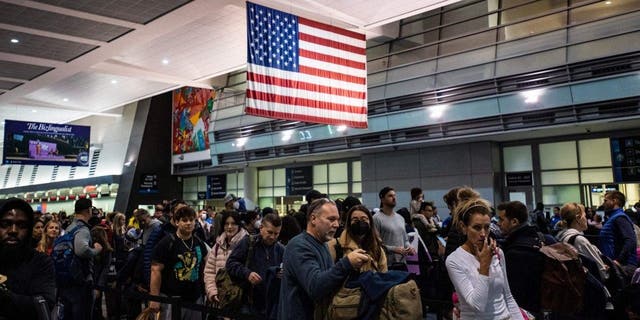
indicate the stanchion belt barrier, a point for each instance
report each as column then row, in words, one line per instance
column 176, row 304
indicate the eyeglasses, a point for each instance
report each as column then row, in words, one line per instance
column 20, row 224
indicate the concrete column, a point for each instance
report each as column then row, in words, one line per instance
column 251, row 187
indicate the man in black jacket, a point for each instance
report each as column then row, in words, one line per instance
column 25, row 273
column 521, row 248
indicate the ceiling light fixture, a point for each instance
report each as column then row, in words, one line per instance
column 165, row 61
column 532, row 96
column 14, row 40
column 341, row 128
column 240, row 142
column 65, row 100
column 608, row 2
column 34, row 110
column 114, row 81
column 436, row 112
column 286, row 135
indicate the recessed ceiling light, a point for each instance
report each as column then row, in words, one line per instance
column 608, row 2
column 34, row 110
column 65, row 99
column 14, row 40
column 165, row 61
column 114, row 81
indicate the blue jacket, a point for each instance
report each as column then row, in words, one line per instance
column 263, row 258
column 309, row 278
column 618, row 239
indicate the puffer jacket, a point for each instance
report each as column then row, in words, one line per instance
column 217, row 258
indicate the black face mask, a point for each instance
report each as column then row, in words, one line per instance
column 360, row 228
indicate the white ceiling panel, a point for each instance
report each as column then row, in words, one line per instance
column 201, row 39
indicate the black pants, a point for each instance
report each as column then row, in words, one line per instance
column 77, row 301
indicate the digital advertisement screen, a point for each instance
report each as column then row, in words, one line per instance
column 625, row 156
column 39, row 143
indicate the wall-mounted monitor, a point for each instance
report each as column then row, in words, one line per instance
column 625, row 157
column 39, row 143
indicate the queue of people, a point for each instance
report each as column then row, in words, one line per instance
column 292, row 271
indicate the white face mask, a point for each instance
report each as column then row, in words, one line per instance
column 257, row 224
column 236, row 205
column 204, row 216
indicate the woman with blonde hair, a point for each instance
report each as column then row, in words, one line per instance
column 478, row 269
column 50, row 234
column 572, row 225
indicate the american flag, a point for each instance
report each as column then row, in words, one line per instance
column 303, row 70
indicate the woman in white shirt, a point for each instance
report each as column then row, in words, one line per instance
column 572, row 225
column 477, row 268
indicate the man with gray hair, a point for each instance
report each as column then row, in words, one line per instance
column 310, row 277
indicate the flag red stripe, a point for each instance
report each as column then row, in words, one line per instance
column 330, row 28
column 332, row 75
column 310, row 103
column 275, row 81
column 331, row 43
column 304, row 117
column 331, row 59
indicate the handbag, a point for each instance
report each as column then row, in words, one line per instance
column 148, row 314
column 230, row 293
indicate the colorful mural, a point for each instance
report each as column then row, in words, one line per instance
column 191, row 110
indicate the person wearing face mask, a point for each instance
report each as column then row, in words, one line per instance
column 360, row 235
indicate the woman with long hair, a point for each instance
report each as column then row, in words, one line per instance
column 477, row 268
column 360, row 234
column 230, row 235
column 572, row 227
column 51, row 233
column 37, row 231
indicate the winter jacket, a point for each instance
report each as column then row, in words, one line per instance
column 618, row 239
column 349, row 245
column 217, row 258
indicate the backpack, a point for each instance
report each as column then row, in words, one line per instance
column 563, row 279
column 68, row 267
column 230, row 293
column 402, row 302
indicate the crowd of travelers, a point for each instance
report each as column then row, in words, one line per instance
column 481, row 262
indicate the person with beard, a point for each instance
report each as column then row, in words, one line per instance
column 309, row 275
column 77, row 297
column 391, row 227
column 360, row 235
column 24, row 272
column 617, row 237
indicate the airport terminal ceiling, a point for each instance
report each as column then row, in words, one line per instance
column 65, row 60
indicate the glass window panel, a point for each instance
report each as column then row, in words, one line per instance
column 464, row 13
column 604, row 47
column 414, row 41
column 412, row 71
column 232, row 181
column 338, row 188
column 265, row 178
column 376, row 65
column 190, row 184
column 237, row 78
column 338, row 172
column 595, row 153
column 529, row 10
column 419, row 25
column 532, row 44
column 527, row 63
column 466, row 75
column 517, row 159
column 559, row 177
column 279, row 192
column 559, row 195
column 377, row 51
column 558, row 155
column 323, row 188
column 602, row 175
column 375, row 79
column 513, row 3
column 469, row 58
column 279, row 177
column 265, row 192
column 265, row 202
column 320, row 173
column 240, row 193
column 470, row 42
column 356, row 187
column 476, row 24
column 601, row 9
column 417, row 54
column 356, row 171
column 241, row 180
column 417, row 85
column 532, row 27
column 190, row 196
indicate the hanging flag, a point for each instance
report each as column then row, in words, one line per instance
column 303, row 70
